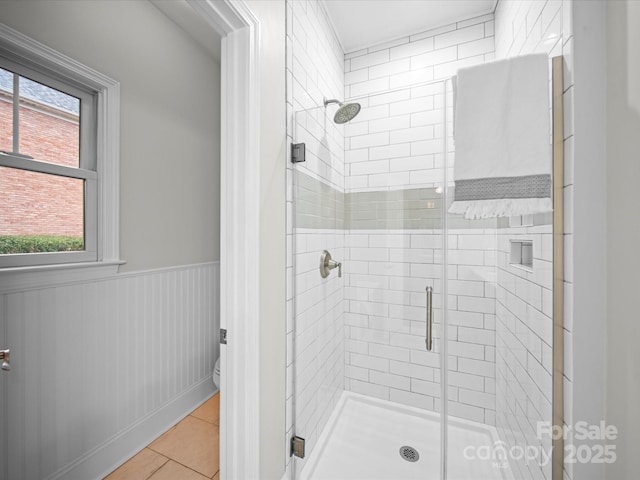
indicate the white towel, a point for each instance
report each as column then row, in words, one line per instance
column 503, row 139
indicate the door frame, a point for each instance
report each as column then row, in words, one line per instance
column 239, row 233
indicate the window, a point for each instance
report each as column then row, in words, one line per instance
column 58, row 158
column 48, row 178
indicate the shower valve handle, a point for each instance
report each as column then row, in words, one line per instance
column 333, row 264
column 327, row 264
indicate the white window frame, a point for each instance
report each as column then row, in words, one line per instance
column 85, row 171
column 38, row 57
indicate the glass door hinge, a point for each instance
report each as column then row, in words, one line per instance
column 223, row 336
column 297, row 447
column 298, row 152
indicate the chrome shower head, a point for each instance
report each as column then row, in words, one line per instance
column 345, row 113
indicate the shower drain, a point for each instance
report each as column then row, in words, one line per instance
column 410, row 454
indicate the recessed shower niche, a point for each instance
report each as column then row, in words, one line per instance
column 522, row 254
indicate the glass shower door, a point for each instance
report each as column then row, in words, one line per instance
column 366, row 390
column 317, row 335
column 499, row 344
column 470, row 438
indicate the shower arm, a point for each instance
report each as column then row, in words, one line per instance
column 329, row 101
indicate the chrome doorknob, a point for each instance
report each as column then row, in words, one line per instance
column 4, row 356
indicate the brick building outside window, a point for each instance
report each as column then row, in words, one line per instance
column 33, row 203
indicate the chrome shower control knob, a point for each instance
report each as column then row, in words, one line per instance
column 327, row 264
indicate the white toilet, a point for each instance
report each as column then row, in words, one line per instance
column 216, row 374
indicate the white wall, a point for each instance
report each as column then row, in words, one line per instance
column 585, row 256
column 170, row 122
column 101, row 368
column 623, row 233
column 273, row 451
column 104, row 366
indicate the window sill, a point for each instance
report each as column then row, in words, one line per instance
column 15, row 279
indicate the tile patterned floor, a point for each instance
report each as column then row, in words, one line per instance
column 187, row 451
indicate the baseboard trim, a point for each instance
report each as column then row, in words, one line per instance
column 106, row 457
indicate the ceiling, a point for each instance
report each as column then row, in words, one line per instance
column 358, row 23
column 363, row 23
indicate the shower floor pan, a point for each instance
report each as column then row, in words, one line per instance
column 364, row 436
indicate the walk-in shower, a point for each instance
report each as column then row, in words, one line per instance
column 433, row 355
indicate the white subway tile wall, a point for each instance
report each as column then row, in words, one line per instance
column 398, row 145
column 318, row 347
column 524, row 331
column 315, row 311
column 385, row 319
column 397, row 142
column 524, row 299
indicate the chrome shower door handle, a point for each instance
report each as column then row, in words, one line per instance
column 428, row 339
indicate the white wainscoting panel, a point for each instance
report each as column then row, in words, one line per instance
column 100, row 368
